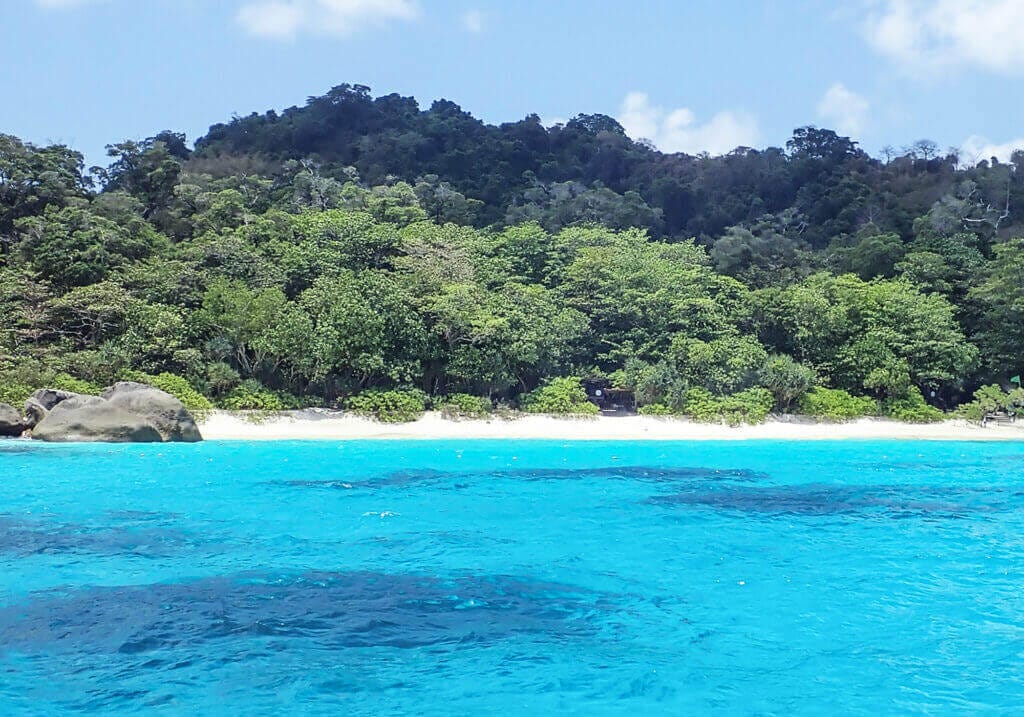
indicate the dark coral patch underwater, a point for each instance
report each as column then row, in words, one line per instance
column 335, row 610
column 822, row 500
column 642, row 474
column 22, row 537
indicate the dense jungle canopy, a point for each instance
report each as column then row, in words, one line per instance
column 363, row 244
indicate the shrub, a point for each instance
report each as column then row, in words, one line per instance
column 723, row 366
column 658, row 383
column 14, row 393
column 64, row 382
column 251, row 395
column 656, row 409
column 992, row 398
column 749, row 406
column 221, row 378
column 100, row 366
column 700, row 405
column 836, row 404
column 297, row 403
column 196, row 403
column 389, row 406
column 912, row 408
column 463, row 405
column 560, row 396
column 787, row 380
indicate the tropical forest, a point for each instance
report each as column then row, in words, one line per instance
column 368, row 253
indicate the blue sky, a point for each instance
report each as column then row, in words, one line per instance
column 695, row 75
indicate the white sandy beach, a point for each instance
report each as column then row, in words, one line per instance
column 335, row 425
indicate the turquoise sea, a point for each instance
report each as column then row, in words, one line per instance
column 512, row 578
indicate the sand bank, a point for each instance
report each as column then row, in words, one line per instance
column 336, row 425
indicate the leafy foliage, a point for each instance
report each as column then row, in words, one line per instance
column 15, row 394
column 751, row 405
column 787, row 380
column 836, row 404
column 251, row 396
column 463, row 405
column 992, row 399
column 912, row 409
column 64, row 382
column 358, row 246
column 389, row 406
column 560, row 396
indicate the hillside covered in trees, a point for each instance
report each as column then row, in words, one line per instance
column 359, row 245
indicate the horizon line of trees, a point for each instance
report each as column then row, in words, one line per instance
column 426, row 250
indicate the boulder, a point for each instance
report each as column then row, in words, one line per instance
column 42, row 402
column 34, row 412
column 90, row 418
column 160, row 408
column 50, row 397
column 11, row 422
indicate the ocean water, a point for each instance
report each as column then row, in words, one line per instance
column 512, row 577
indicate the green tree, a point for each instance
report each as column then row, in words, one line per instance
column 873, row 336
column 787, row 380
column 364, row 331
column 74, row 247
column 258, row 331
column 33, row 179
column 1000, row 295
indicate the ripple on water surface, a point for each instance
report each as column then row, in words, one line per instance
column 520, row 577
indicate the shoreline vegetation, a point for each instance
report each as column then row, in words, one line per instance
column 367, row 255
column 323, row 424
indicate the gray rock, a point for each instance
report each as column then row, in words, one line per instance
column 34, row 412
column 90, row 418
column 160, row 408
column 11, row 422
column 42, row 402
column 78, row 400
column 50, row 397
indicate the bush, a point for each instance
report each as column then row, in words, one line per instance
column 652, row 384
column 463, row 405
column 560, row 396
column 196, row 403
column 788, row 380
column 749, row 406
column 912, row 408
column 836, row 404
column 297, row 403
column 991, row 399
column 64, row 382
column 656, row 409
column 389, row 406
column 14, row 393
column 251, row 395
column 100, row 367
column 221, row 378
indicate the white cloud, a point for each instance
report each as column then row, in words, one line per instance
column 677, row 130
column 473, row 21
column 271, row 19
column 284, row 19
column 844, row 110
column 977, row 148
column 929, row 36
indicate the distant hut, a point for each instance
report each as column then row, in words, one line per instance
column 612, row 401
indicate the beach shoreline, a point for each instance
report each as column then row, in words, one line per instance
column 320, row 424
